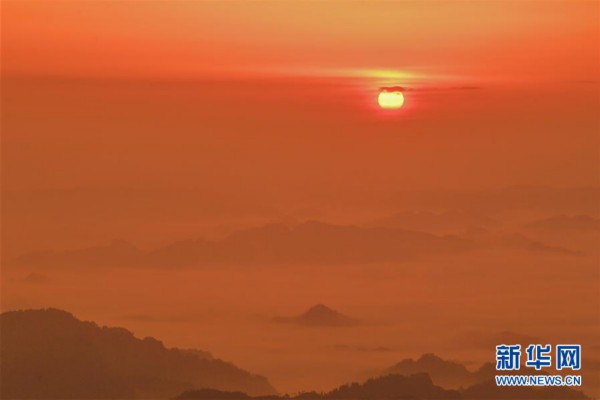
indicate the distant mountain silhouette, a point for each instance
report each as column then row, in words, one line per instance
column 497, row 200
column 418, row 386
column 307, row 243
column 319, row 315
column 483, row 238
column 565, row 222
column 454, row 221
column 448, row 374
column 51, row 354
column 522, row 242
column 479, row 384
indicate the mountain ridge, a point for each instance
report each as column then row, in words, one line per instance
column 319, row 315
column 311, row 242
column 49, row 353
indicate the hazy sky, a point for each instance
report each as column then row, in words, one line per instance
column 195, row 111
column 493, row 39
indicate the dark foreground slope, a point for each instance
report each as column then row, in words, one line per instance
column 417, row 387
column 51, row 354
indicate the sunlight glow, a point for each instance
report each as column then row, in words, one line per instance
column 390, row 100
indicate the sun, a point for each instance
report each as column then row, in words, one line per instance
column 390, row 98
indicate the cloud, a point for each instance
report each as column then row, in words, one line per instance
column 393, row 89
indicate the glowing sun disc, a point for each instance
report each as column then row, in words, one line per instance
column 390, row 100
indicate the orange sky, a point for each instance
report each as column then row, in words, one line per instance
column 271, row 104
column 553, row 40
